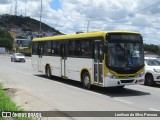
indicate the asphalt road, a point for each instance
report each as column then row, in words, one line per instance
column 66, row 95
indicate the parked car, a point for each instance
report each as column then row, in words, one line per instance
column 17, row 57
column 152, row 71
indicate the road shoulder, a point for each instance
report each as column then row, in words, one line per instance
column 29, row 102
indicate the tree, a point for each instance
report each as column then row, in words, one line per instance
column 151, row 48
column 6, row 40
column 30, row 44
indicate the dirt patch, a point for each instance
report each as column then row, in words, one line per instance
column 26, row 102
column 11, row 91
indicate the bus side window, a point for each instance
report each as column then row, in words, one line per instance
column 77, row 48
column 47, row 48
column 55, row 48
column 71, row 47
column 86, row 48
column 40, row 49
column 35, row 48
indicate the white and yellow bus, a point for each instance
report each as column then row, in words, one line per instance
column 105, row 59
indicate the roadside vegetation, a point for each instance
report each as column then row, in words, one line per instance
column 6, row 104
column 6, row 39
column 152, row 48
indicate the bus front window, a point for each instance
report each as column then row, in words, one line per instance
column 124, row 55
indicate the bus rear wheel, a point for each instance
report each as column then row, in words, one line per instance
column 86, row 81
column 48, row 72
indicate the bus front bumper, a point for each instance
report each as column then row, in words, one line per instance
column 109, row 82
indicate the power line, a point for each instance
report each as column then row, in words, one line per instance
column 114, row 24
column 141, row 10
column 147, row 7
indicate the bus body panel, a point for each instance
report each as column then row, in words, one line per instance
column 82, row 35
column 54, row 63
column 121, row 82
column 76, row 65
column 35, row 59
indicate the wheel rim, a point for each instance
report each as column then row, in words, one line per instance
column 86, row 81
column 48, row 72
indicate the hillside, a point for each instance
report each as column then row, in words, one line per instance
column 20, row 23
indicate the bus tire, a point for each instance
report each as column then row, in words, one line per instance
column 86, row 80
column 149, row 80
column 48, row 71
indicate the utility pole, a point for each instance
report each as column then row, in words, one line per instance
column 40, row 29
column 15, row 12
column 11, row 10
column 21, row 12
column 25, row 10
column 159, row 51
column 5, row 33
column 88, row 26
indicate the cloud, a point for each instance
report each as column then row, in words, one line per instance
column 141, row 20
column 74, row 15
column 5, row 1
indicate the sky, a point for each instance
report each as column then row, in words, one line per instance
column 71, row 16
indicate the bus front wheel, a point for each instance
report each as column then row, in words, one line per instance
column 86, row 81
column 48, row 72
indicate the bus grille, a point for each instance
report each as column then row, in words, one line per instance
column 129, row 76
column 126, row 81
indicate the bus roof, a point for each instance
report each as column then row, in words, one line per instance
column 80, row 35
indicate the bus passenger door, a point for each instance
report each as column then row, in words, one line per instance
column 98, row 62
column 63, row 60
column 40, row 53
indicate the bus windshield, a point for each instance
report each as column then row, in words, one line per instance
column 125, row 55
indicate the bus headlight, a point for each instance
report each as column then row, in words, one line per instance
column 110, row 75
column 157, row 70
column 141, row 74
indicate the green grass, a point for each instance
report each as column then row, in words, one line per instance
column 6, row 104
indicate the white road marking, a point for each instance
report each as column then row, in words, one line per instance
column 123, row 101
column 153, row 109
